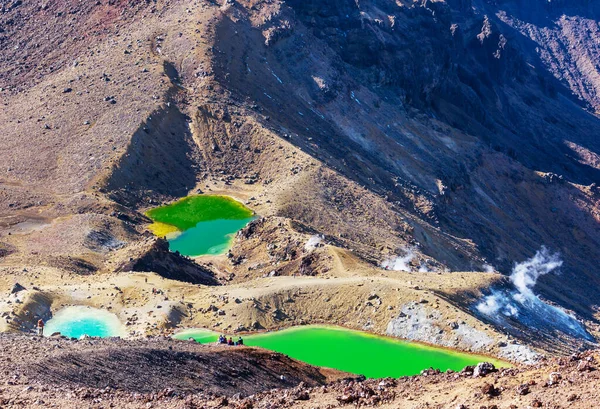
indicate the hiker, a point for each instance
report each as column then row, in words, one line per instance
column 240, row 341
column 230, row 342
column 40, row 327
column 222, row 339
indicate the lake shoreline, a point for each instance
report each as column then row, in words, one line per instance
column 346, row 328
column 397, row 349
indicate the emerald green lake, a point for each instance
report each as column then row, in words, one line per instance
column 200, row 225
column 352, row 351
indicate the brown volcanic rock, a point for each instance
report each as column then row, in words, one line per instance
column 163, row 373
column 151, row 367
column 70, row 29
column 379, row 125
column 160, row 372
column 153, row 364
column 472, row 164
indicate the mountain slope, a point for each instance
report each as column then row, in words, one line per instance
column 479, row 158
column 389, row 127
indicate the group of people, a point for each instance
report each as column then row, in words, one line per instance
column 223, row 340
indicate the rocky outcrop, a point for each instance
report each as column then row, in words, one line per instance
column 564, row 33
column 419, row 322
column 151, row 365
column 154, row 256
column 29, row 307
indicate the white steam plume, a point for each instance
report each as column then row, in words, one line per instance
column 312, row 243
column 400, row 263
column 522, row 305
column 525, row 274
column 488, row 268
column 423, row 268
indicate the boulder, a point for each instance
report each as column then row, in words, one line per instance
column 523, row 389
column 554, row 378
column 482, row 369
column 17, row 288
column 490, row 390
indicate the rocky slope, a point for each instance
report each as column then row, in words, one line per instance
column 58, row 369
column 564, row 34
column 162, row 373
column 438, row 112
column 437, row 129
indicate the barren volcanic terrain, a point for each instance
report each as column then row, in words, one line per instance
column 422, row 169
column 161, row 373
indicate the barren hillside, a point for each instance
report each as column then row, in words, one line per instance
column 460, row 132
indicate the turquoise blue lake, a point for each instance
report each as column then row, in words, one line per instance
column 78, row 321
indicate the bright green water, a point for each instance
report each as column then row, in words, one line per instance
column 352, row 351
column 79, row 320
column 189, row 211
column 200, row 225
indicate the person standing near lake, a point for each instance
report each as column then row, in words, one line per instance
column 40, row 327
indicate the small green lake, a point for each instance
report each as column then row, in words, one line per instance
column 200, row 225
column 78, row 321
column 352, row 351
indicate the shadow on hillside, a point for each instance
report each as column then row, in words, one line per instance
column 150, row 369
column 158, row 160
column 544, row 13
column 531, row 124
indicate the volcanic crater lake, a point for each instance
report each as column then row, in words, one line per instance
column 200, row 225
column 77, row 321
column 352, row 351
